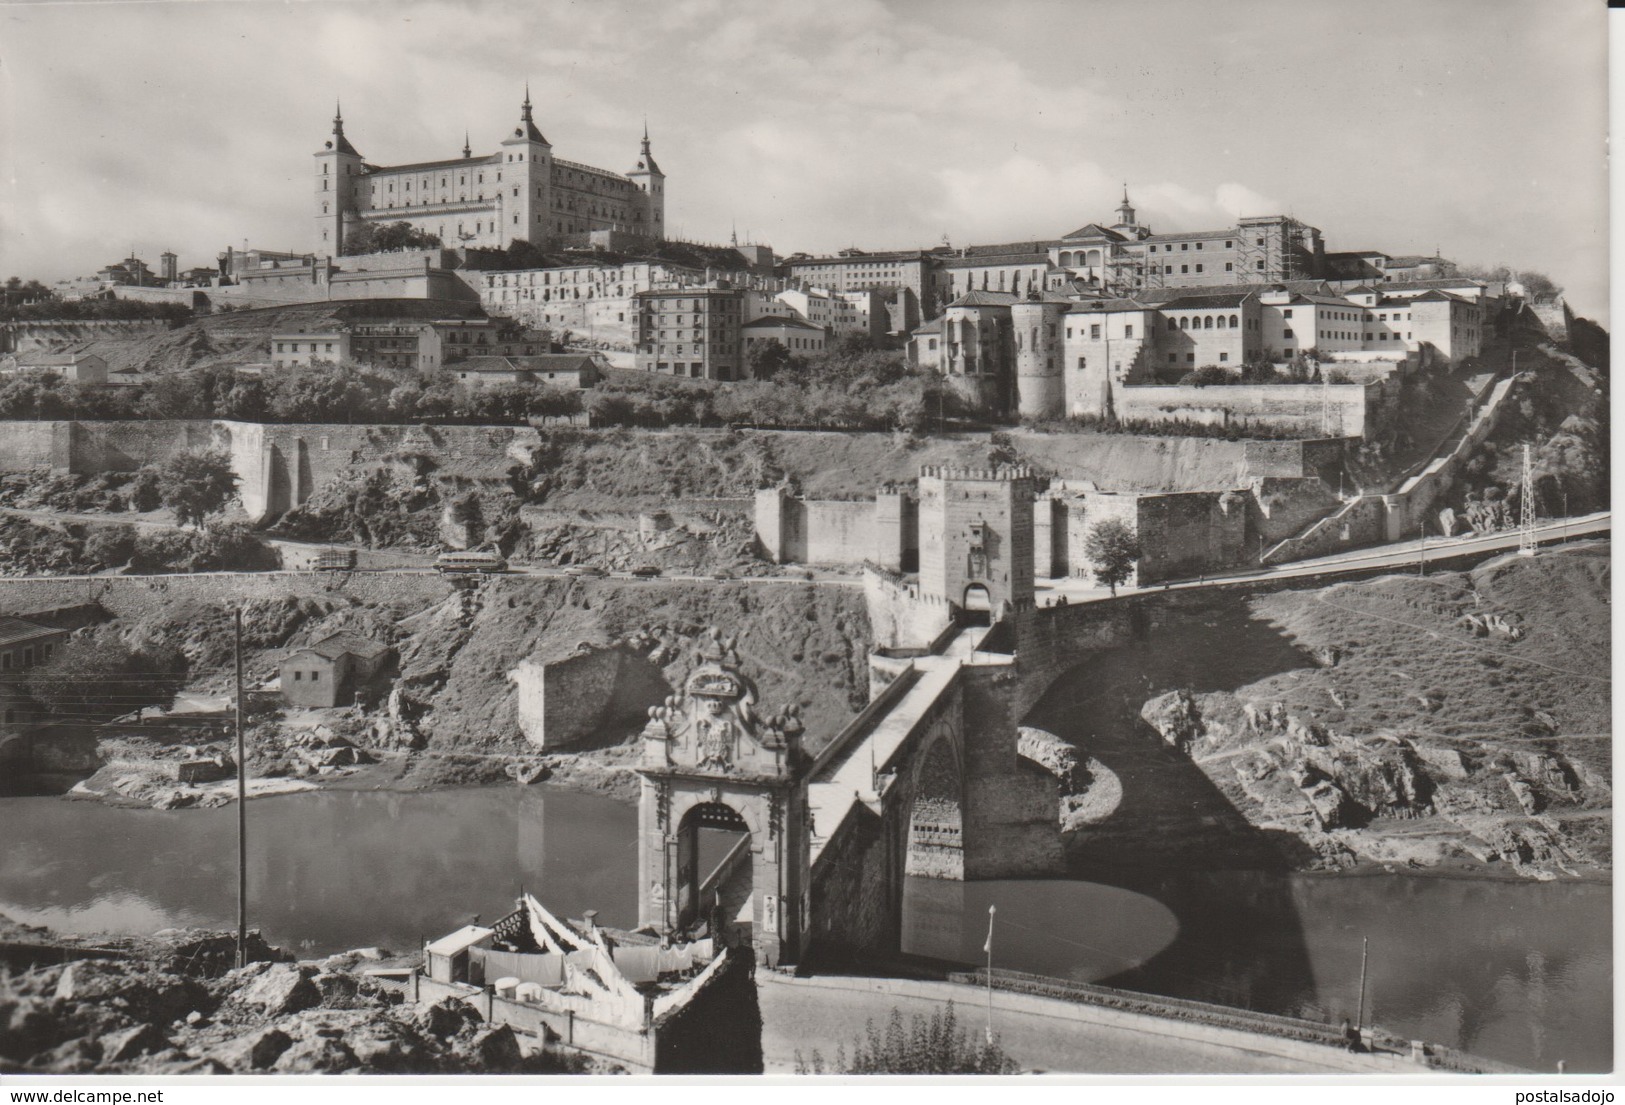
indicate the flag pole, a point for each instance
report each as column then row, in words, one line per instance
column 988, row 948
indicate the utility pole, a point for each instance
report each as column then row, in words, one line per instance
column 988, row 948
column 242, row 807
column 1422, row 552
column 1526, row 506
column 1365, row 952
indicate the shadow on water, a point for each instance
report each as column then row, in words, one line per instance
column 1171, row 822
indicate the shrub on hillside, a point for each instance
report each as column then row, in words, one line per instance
column 100, row 677
column 111, row 546
column 220, row 548
column 937, row 1044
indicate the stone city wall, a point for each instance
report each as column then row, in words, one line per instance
column 137, row 597
column 279, row 465
column 49, row 335
column 883, row 530
column 1344, row 410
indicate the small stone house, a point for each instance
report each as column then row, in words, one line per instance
column 331, row 671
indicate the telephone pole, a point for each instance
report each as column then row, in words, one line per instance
column 1365, row 953
column 242, row 807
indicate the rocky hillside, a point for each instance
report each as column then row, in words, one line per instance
column 452, row 716
column 1461, row 718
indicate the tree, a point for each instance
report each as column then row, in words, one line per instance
column 937, row 1044
column 111, row 546
column 385, row 237
column 196, row 483
column 1113, row 550
column 101, row 677
column 767, row 358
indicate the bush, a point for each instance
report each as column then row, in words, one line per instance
column 220, row 548
column 91, row 678
column 931, row 1045
column 111, row 546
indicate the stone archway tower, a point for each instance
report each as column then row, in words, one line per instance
column 707, row 747
column 976, row 529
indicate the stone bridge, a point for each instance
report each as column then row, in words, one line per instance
column 928, row 780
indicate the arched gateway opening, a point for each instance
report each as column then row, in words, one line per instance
column 715, row 874
column 978, row 605
column 723, row 821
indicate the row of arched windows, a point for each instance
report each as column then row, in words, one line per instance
column 1206, row 322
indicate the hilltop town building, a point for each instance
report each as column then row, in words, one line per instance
column 332, row 671
column 520, row 193
column 692, row 332
column 793, row 334
column 408, row 344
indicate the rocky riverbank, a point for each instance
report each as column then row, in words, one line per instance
column 1459, row 721
column 171, row 1004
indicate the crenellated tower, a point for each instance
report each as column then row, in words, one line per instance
column 976, row 537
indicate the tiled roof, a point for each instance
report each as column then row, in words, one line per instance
column 1194, row 235
column 539, row 362
column 1001, row 259
column 340, row 643
column 932, row 327
column 1302, row 287
column 416, row 166
column 769, row 321
column 859, row 259
column 984, row 299
column 1411, row 260
column 13, row 630
column 1358, row 253
column 1007, row 249
column 1440, row 282
column 1093, row 230
column 1202, row 302
column 1089, row 306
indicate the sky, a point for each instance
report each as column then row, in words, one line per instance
column 1473, row 127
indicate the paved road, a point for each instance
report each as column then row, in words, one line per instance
column 1049, row 591
column 1404, row 554
column 1041, row 1034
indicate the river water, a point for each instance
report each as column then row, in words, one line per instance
column 1518, row 971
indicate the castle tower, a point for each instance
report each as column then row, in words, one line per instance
column 168, row 267
column 649, row 218
column 1040, row 388
column 338, row 171
column 525, row 196
column 976, row 537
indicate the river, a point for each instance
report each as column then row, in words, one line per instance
column 1517, row 971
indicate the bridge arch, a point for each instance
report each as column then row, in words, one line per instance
column 935, row 820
